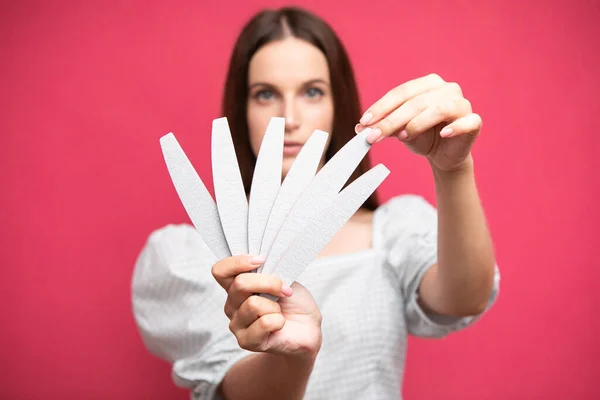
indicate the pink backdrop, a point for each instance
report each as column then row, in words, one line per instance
column 88, row 89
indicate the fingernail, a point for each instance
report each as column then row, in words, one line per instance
column 374, row 135
column 447, row 131
column 366, row 118
column 257, row 260
column 403, row 135
column 358, row 128
column 286, row 290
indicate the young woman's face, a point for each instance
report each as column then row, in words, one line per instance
column 289, row 78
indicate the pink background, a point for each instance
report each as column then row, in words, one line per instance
column 88, row 89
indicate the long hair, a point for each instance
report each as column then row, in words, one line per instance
column 271, row 25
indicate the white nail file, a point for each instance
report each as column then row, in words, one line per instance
column 322, row 226
column 196, row 199
column 318, row 195
column 299, row 176
column 229, row 188
column 266, row 182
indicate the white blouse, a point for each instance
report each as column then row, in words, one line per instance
column 368, row 300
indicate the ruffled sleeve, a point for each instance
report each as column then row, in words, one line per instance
column 406, row 228
column 178, row 309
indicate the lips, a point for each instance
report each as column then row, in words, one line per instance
column 292, row 143
column 291, row 148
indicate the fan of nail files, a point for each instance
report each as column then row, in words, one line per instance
column 288, row 223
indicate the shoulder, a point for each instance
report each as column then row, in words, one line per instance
column 405, row 212
column 405, row 203
column 404, row 220
column 172, row 233
column 176, row 244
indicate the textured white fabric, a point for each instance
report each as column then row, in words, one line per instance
column 367, row 299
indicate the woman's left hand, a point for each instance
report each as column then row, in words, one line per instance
column 431, row 117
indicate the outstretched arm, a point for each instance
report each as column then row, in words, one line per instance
column 433, row 119
column 461, row 282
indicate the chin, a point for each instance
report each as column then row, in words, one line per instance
column 286, row 165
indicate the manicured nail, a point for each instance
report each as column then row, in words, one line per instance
column 257, row 260
column 403, row 135
column 286, row 290
column 366, row 118
column 358, row 128
column 447, row 131
column 374, row 135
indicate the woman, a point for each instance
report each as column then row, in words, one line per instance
column 394, row 269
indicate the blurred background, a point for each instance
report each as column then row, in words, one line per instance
column 88, row 88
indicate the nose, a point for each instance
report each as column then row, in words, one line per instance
column 292, row 116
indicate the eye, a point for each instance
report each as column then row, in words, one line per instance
column 264, row 95
column 314, row 92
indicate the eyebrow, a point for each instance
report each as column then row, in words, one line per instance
column 307, row 83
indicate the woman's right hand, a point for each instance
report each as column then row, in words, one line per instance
column 291, row 326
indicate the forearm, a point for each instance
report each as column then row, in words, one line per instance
column 268, row 376
column 463, row 278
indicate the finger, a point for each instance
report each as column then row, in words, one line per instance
column 253, row 308
column 436, row 114
column 467, row 125
column 245, row 285
column 397, row 96
column 255, row 337
column 399, row 118
column 227, row 269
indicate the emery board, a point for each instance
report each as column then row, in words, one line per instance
column 299, row 176
column 196, row 199
column 230, row 195
column 318, row 195
column 266, row 182
column 322, row 226
column 289, row 223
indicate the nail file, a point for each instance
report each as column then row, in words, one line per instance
column 266, row 182
column 322, row 226
column 298, row 217
column 196, row 199
column 229, row 188
column 299, row 176
column 318, row 195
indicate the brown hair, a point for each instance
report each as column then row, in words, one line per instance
column 272, row 25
